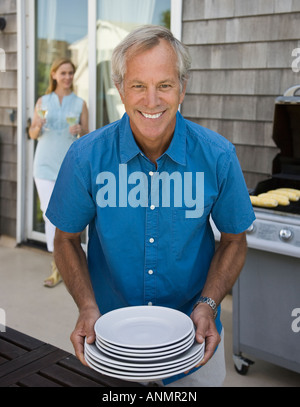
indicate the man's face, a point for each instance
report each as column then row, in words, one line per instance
column 151, row 93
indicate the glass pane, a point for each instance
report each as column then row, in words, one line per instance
column 61, row 29
column 115, row 19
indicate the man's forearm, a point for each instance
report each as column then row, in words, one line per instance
column 72, row 265
column 226, row 266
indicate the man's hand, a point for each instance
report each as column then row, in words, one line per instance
column 206, row 330
column 72, row 265
column 84, row 328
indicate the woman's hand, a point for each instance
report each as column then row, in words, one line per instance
column 76, row 130
column 37, row 122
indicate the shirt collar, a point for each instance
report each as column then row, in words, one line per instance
column 176, row 150
column 128, row 146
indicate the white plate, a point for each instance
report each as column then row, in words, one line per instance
column 142, row 377
column 141, row 367
column 194, row 350
column 139, row 358
column 138, row 355
column 122, row 369
column 143, row 326
column 146, row 351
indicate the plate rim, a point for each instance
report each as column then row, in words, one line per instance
column 196, row 347
column 145, row 378
column 156, row 349
column 137, row 355
column 131, row 309
column 140, row 368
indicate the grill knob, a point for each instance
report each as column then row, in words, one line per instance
column 285, row 234
column 251, row 229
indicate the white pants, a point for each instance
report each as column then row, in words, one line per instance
column 212, row 374
column 44, row 188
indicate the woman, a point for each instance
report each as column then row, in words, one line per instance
column 59, row 118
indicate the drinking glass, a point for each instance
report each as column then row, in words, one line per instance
column 42, row 111
column 72, row 119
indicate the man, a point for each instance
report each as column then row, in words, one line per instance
column 134, row 182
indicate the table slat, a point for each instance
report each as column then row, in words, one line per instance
column 30, row 363
column 10, row 351
column 36, row 380
column 72, row 363
column 67, row 377
column 20, row 339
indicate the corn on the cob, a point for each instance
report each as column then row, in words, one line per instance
column 281, row 199
column 266, row 202
column 290, row 195
column 294, row 193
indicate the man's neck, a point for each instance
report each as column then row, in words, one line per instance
column 155, row 150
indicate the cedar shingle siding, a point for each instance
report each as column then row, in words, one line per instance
column 242, row 57
column 8, row 128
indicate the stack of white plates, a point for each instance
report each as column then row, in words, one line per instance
column 144, row 343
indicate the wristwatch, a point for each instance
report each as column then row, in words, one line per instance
column 209, row 301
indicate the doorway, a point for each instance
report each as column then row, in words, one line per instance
column 85, row 31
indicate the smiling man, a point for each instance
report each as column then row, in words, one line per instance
column 152, row 254
column 151, row 96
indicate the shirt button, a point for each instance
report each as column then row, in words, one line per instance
column 149, row 303
column 151, row 173
column 150, row 272
column 151, row 240
column 152, row 207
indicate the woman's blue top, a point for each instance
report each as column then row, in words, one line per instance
column 55, row 138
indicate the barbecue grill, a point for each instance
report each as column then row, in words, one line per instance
column 266, row 296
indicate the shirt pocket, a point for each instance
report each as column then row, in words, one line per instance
column 188, row 232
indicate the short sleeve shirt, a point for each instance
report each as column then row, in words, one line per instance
column 150, row 237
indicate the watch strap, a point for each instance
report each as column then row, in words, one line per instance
column 209, row 301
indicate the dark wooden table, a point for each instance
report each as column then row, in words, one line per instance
column 29, row 362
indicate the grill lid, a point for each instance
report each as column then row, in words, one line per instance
column 286, row 134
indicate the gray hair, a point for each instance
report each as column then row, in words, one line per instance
column 145, row 38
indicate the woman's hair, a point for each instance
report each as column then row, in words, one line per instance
column 54, row 67
column 143, row 39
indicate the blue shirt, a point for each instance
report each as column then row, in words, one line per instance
column 140, row 253
column 55, row 138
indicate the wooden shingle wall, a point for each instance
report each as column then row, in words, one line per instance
column 242, row 58
column 8, row 119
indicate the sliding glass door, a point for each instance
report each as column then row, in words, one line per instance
column 115, row 19
column 59, row 26
column 85, row 31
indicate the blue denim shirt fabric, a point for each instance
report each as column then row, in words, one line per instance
column 143, row 255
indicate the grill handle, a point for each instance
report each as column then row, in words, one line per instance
column 292, row 90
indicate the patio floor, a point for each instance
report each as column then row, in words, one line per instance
column 50, row 314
